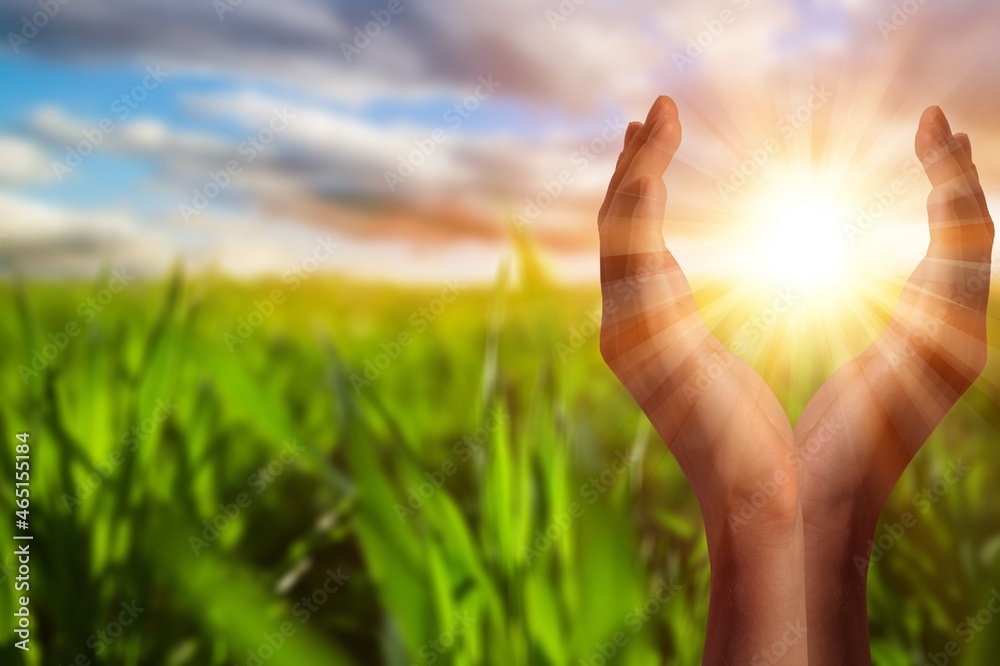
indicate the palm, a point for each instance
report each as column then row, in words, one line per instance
column 878, row 410
column 720, row 420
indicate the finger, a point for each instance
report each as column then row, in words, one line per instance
column 954, row 213
column 623, row 234
column 655, row 154
column 630, row 132
column 662, row 106
column 629, row 244
column 963, row 140
column 973, row 178
column 634, row 253
column 637, row 269
column 648, row 155
column 941, row 154
column 649, row 211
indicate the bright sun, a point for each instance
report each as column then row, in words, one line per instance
column 797, row 238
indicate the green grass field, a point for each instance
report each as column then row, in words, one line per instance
column 485, row 494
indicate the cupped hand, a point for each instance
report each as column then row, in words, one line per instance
column 868, row 420
column 723, row 424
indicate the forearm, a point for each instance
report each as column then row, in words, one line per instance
column 837, row 548
column 757, row 609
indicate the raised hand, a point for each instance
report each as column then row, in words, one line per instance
column 723, row 424
column 870, row 418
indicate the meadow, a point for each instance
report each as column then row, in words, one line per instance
column 369, row 473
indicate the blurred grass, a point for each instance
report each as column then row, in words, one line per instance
column 476, row 549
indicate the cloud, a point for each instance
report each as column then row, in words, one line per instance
column 140, row 136
column 324, row 153
column 22, row 162
column 427, row 49
column 39, row 238
column 566, row 68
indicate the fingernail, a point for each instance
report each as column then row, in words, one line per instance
column 660, row 107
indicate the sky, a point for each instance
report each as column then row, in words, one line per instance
column 420, row 137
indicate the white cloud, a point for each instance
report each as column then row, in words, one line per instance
column 28, row 220
column 40, row 238
column 22, row 162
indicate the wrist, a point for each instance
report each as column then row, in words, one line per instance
column 839, row 535
column 837, row 546
column 758, row 598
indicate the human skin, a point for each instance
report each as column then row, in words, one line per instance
column 722, row 423
column 794, row 562
column 877, row 410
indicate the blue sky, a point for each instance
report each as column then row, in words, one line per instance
column 560, row 85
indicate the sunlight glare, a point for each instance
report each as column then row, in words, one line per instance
column 799, row 238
